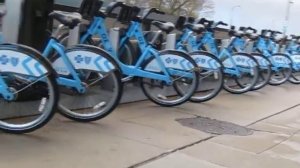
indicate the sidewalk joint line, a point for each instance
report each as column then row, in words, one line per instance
column 169, row 152
column 270, row 116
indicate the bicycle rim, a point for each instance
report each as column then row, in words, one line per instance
column 183, row 86
column 34, row 90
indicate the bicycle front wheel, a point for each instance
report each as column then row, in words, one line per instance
column 211, row 76
column 241, row 73
column 295, row 76
column 265, row 71
column 29, row 93
column 183, row 72
column 101, row 77
column 282, row 69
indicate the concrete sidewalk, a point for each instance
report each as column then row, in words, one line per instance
column 144, row 135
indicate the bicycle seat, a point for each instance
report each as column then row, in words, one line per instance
column 253, row 37
column 2, row 13
column 236, row 33
column 197, row 28
column 68, row 19
column 166, row 27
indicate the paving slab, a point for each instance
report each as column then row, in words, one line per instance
column 180, row 160
column 165, row 119
column 255, row 143
column 265, row 126
column 290, row 119
column 69, row 144
column 246, row 108
column 164, row 139
column 137, row 132
column 289, row 149
column 234, row 158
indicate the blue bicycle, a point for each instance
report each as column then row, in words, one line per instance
column 281, row 63
column 211, row 76
column 168, row 78
column 244, row 43
column 293, row 51
column 28, row 88
column 88, row 77
column 241, row 70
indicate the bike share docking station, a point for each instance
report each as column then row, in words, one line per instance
column 27, row 22
column 31, row 21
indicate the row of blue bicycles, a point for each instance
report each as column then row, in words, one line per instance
column 85, row 81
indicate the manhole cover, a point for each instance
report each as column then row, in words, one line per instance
column 213, row 126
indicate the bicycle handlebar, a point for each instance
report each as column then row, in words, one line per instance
column 222, row 23
column 295, row 37
column 252, row 29
column 114, row 5
column 147, row 12
column 275, row 32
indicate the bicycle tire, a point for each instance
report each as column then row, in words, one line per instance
column 265, row 71
column 295, row 76
column 286, row 63
column 237, row 85
column 92, row 105
column 211, row 76
column 157, row 98
column 42, row 94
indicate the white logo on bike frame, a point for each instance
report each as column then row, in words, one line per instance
column 239, row 60
column 170, row 61
column 204, row 61
column 84, row 60
column 20, row 63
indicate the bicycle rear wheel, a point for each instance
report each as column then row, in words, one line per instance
column 211, row 76
column 101, row 77
column 184, row 75
column 295, row 76
column 265, row 71
column 31, row 81
column 248, row 73
column 282, row 69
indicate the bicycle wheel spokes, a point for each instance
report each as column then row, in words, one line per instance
column 33, row 102
column 295, row 77
column 101, row 93
column 184, row 80
column 247, row 77
column 265, row 71
column 282, row 69
column 101, row 78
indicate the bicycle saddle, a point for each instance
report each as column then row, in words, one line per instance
column 68, row 19
column 253, row 37
column 166, row 27
column 236, row 33
column 197, row 28
column 2, row 13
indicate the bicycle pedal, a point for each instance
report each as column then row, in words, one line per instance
column 127, row 79
column 100, row 105
column 162, row 97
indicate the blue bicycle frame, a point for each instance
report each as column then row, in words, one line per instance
column 267, row 48
column 60, row 49
column 292, row 48
column 209, row 40
column 98, row 27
